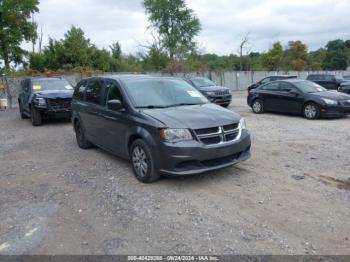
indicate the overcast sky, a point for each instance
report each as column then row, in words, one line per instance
column 224, row 22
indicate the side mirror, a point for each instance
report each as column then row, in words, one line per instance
column 115, row 105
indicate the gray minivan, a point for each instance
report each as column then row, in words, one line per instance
column 162, row 125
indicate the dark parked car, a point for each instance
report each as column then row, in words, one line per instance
column 299, row 97
column 328, row 81
column 216, row 94
column 344, row 87
column 162, row 125
column 45, row 98
column 270, row 79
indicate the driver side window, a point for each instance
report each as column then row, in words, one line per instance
column 113, row 92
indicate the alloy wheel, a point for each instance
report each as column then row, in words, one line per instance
column 257, row 107
column 310, row 111
column 139, row 161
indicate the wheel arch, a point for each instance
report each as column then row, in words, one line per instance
column 139, row 133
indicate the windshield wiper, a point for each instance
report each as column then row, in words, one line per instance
column 151, row 107
column 184, row 104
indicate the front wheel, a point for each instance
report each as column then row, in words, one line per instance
column 35, row 117
column 142, row 162
column 311, row 111
column 225, row 105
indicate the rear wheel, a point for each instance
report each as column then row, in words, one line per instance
column 80, row 136
column 35, row 117
column 311, row 111
column 142, row 162
column 258, row 106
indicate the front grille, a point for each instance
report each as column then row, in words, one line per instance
column 222, row 92
column 230, row 127
column 206, row 131
column 219, row 134
column 59, row 104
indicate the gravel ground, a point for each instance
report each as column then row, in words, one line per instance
column 291, row 197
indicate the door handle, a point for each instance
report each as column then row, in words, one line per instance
column 109, row 117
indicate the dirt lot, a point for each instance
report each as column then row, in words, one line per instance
column 291, row 197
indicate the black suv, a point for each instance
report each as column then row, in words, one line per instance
column 162, row 125
column 326, row 80
column 45, row 97
column 216, row 94
column 270, row 79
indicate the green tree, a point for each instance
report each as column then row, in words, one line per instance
column 101, row 59
column 15, row 27
column 175, row 23
column 336, row 57
column 272, row 59
column 77, row 48
column 155, row 59
column 74, row 51
column 116, row 50
column 316, row 58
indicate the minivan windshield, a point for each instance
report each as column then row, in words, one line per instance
column 202, row 82
column 309, row 87
column 51, row 85
column 160, row 93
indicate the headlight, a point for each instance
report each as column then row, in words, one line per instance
column 41, row 101
column 175, row 135
column 330, row 101
column 210, row 93
column 242, row 124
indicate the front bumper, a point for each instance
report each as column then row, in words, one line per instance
column 193, row 157
column 335, row 111
column 61, row 113
column 220, row 100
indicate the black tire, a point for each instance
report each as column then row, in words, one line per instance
column 311, row 111
column 35, row 117
column 82, row 142
column 142, row 162
column 225, row 105
column 258, row 106
column 23, row 115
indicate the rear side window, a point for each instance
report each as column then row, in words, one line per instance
column 273, row 86
column 93, row 91
column 266, row 80
column 329, row 78
column 79, row 90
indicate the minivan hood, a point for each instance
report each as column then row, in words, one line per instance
column 212, row 88
column 194, row 117
column 332, row 95
column 55, row 94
